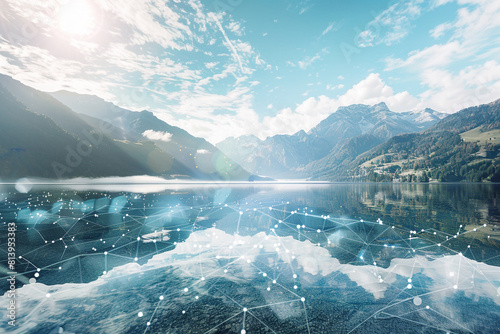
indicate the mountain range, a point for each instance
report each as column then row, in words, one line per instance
column 349, row 130
column 464, row 146
column 64, row 135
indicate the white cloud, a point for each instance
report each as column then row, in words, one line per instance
column 392, row 25
column 141, row 16
column 303, row 64
column 232, row 47
column 157, row 135
column 474, row 85
column 371, row 90
column 440, row 30
column 436, row 55
column 474, row 31
column 332, row 26
column 211, row 65
column 333, row 87
column 235, row 27
column 309, row 60
column 219, row 126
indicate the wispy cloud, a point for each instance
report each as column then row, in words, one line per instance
column 332, row 27
column 308, row 60
column 177, row 59
column 473, row 37
column 393, row 24
column 228, row 42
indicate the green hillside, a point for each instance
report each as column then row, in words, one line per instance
column 462, row 147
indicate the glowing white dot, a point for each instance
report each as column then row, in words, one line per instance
column 294, row 275
column 409, row 286
column 302, row 299
column 295, row 287
column 243, row 331
column 148, row 324
column 183, row 312
column 37, row 274
column 417, row 301
column 268, row 289
column 427, row 307
column 203, row 278
column 409, row 280
column 274, row 282
column 186, row 289
column 161, row 297
column 455, row 287
column 452, row 274
column 47, row 295
column 245, row 309
column 140, row 314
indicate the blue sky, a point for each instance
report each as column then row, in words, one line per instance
column 235, row 67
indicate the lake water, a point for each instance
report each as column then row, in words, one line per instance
column 253, row 258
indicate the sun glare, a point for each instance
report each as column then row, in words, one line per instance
column 76, row 18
